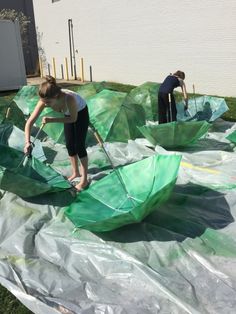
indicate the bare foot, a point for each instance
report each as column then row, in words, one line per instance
column 81, row 186
column 73, row 176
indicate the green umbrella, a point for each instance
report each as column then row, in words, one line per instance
column 33, row 179
column 232, row 137
column 105, row 205
column 10, row 113
column 174, row 134
column 114, row 120
column 12, row 136
column 207, row 108
column 87, row 90
column 146, row 95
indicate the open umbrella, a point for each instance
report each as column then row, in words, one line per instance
column 33, row 179
column 10, row 113
column 114, row 120
column 106, row 205
column 174, row 134
column 207, row 108
column 146, row 95
column 12, row 136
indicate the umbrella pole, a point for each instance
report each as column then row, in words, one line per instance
column 29, row 155
column 170, row 108
column 101, row 143
column 194, row 98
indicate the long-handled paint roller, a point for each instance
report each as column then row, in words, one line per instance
column 101, row 143
column 28, row 155
column 170, row 109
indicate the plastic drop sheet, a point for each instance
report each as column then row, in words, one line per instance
column 179, row 259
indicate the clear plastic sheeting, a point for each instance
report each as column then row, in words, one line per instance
column 179, row 259
column 119, row 153
column 201, row 108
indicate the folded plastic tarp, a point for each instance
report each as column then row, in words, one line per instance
column 114, row 120
column 146, row 95
column 174, row 134
column 125, row 196
column 207, row 108
column 33, row 178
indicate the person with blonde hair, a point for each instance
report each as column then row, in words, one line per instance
column 167, row 111
column 76, row 122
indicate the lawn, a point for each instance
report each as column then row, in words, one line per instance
column 8, row 303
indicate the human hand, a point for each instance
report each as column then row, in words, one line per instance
column 186, row 104
column 28, row 148
column 46, row 120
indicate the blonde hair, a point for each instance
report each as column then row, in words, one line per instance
column 49, row 88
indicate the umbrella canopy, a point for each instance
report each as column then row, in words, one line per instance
column 87, row 90
column 27, row 98
column 106, row 205
column 10, row 113
column 232, row 137
column 174, row 134
column 202, row 108
column 12, row 136
column 146, row 95
column 33, row 179
column 114, row 120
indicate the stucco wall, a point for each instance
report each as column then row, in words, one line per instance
column 132, row 41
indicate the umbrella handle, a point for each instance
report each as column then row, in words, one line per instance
column 7, row 113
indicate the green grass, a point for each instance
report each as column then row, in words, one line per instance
column 8, row 303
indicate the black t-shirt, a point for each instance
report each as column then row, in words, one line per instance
column 169, row 84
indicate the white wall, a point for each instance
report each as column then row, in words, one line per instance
column 12, row 67
column 132, row 41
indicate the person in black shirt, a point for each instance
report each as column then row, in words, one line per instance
column 166, row 102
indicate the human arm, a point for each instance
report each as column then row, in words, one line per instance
column 28, row 126
column 70, row 118
column 184, row 91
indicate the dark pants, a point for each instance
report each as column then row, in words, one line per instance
column 164, row 112
column 75, row 134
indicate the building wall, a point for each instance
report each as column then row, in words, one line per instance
column 31, row 50
column 132, row 41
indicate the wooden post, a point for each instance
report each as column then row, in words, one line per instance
column 54, row 67
column 41, row 67
column 67, row 72
column 91, row 73
column 62, row 72
column 82, row 69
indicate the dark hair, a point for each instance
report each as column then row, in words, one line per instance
column 49, row 88
column 180, row 74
